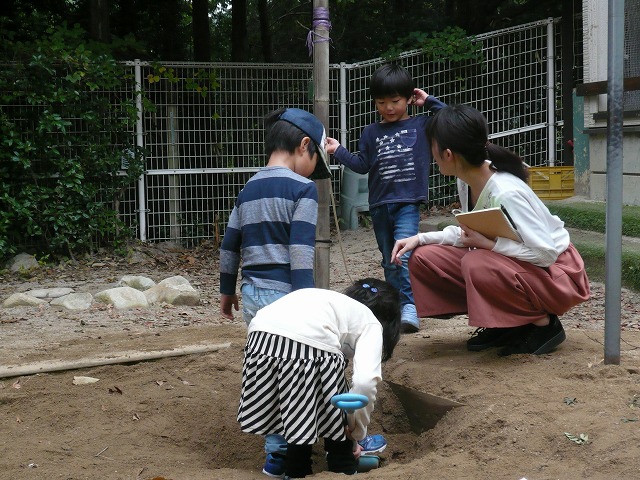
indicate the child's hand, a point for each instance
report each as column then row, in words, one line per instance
column 419, row 97
column 331, row 145
column 226, row 302
column 357, row 451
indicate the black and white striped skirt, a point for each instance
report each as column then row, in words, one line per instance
column 287, row 388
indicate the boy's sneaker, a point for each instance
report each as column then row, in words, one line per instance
column 373, row 444
column 538, row 340
column 483, row 338
column 274, row 466
column 409, row 321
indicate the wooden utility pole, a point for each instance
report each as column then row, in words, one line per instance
column 320, row 39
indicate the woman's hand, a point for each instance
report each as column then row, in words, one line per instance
column 403, row 246
column 472, row 239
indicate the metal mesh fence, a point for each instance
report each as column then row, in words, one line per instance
column 631, row 62
column 201, row 123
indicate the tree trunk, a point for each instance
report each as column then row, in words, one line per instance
column 238, row 30
column 100, row 20
column 201, row 31
column 265, row 32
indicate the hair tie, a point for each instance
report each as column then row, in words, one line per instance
column 366, row 286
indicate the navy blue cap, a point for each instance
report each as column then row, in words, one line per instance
column 309, row 124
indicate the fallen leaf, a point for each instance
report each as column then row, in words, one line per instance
column 84, row 380
column 581, row 439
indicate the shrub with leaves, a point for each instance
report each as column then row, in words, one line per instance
column 64, row 135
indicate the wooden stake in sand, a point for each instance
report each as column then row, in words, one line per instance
column 113, row 358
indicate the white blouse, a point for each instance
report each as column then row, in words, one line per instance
column 544, row 237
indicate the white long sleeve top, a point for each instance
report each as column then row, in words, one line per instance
column 333, row 322
column 543, row 235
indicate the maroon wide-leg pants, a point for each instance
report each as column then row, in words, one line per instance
column 494, row 290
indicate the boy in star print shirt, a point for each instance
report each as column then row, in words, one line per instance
column 397, row 156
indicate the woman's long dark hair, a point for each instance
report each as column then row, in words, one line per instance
column 464, row 130
column 384, row 301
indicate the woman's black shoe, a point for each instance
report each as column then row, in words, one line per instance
column 538, row 340
column 484, row 338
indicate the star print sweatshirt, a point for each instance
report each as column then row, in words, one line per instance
column 397, row 158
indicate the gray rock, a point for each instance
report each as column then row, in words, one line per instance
column 23, row 262
column 74, row 301
column 23, row 300
column 136, row 281
column 50, row 292
column 123, row 298
column 175, row 290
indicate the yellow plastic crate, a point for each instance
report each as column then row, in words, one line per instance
column 552, row 183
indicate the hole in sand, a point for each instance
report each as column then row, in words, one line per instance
column 402, row 414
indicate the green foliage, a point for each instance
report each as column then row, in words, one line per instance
column 594, row 261
column 202, row 82
column 592, row 216
column 63, row 144
column 450, row 45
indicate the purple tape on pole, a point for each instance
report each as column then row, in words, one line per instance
column 320, row 18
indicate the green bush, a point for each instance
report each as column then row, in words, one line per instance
column 63, row 142
column 594, row 260
column 592, row 216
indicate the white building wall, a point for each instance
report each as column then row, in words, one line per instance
column 595, row 45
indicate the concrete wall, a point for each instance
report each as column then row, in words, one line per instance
column 631, row 168
column 591, row 168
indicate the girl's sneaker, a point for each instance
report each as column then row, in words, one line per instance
column 274, row 466
column 373, row 444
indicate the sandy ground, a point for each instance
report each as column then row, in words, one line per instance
column 174, row 418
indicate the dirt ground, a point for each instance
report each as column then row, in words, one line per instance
column 565, row 415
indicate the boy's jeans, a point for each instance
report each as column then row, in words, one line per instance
column 254, row 298
column 392, row 222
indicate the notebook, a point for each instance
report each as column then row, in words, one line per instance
column 491, row 222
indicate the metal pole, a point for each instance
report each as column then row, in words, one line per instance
column 551, row 95
column 343, row 104
column 320, row 42
column 613, row 255
column 142, row 203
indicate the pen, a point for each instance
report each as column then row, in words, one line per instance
column 504, row 210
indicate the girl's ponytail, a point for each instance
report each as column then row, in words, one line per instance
column 464, row 130
column 504, row 160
